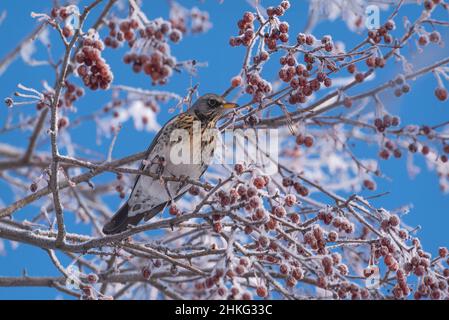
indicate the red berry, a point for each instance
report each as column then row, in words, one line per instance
column 63, row 122
column 384, row 154
column 174, row 210
column 394, row 221
column 146, row 273
column 442, row 252
column 63, row 13
column 248, row 17
column 285, row 4
column 435, row 37
column 332, row 236
column 423, row 40
column 441, row 94
column 369, row 184
column 175, row 36
column 297, row 274
column 308, row 141
column 290, row 200
column 279, row 211
column 238, row 168
column 347, row 102
column 261, row 291
column 251, row 192
column 259, row 182
column 294, row 217
column 446, row 148
column 283, row 27
column 351, row 68
column 67, row 31
column 412, row 148
column 246, row 296
column 33, row 187
column 239, row 270
column 236, row 81
column 92, row 278
column 390, row 25
column 291, row 282
column 217, row 227
column 254, row 202
column 359, row 77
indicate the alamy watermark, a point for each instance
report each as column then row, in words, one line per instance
column 372, row 17
column 259, row 147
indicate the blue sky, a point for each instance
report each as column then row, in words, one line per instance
column 430, row 206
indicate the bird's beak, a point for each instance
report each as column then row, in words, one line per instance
column 230, row 105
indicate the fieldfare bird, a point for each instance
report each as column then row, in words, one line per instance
column 151, row 194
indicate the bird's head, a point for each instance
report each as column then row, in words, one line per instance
column 210, row 107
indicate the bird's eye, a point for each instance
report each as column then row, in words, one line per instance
column 213, row 103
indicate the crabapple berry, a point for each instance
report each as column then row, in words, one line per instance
column 290, row 200
column 174, row 210
column 441, row 94
column 236, row 81
column 146, row 273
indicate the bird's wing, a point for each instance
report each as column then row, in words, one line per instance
column 151, row 147
column 149, row 192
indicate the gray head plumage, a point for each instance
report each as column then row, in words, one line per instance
column 210, row 107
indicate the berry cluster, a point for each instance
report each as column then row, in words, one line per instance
column 278, row 10
column 391, row 222
column 433, row 37
column 343, row 225
column 391, row 148
column 315, row 238
column 150, row 52
column 120, row 32
column 71, row 94
column 257, row 87
column 246, row 31
column 280, row 33
column 298, row 75
column 353, row 291
column 299, row 188
column 326, row 217
column 385, row 122
column 92, row 68
column 402, row 86
column 156, row 65
column 376, row 36
column 360, row 76
column 62, row 14
column 418, row 265
column 306, row 140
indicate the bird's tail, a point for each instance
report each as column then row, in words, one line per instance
column 120, row 221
